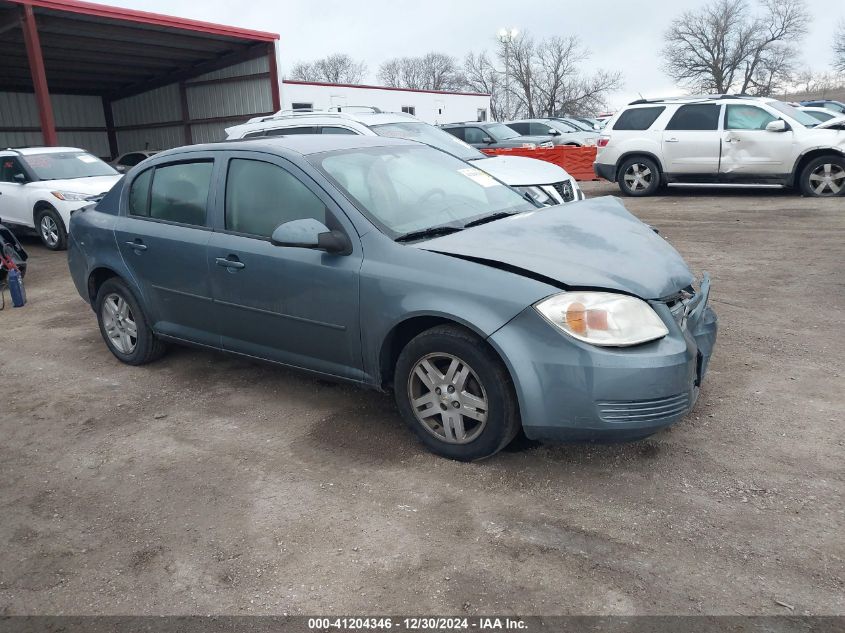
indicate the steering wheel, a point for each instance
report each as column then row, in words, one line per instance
column 431, row 194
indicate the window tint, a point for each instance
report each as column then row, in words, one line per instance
column 130, row 160
column 336, row 130
column 139, row 194
column 456, row 132
column 539, row 129
column 821, row 116
column 638, row 118
column 522, row 128
column 698, row 116
column 747, row 117
column 474, row 135
column 9, row 167
column 180, row 192
column 261, row 196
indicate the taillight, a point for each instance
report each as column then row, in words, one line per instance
column 602, row 141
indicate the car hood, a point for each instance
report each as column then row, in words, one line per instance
column 93, row 185
column 519, row 171
column 594, row 243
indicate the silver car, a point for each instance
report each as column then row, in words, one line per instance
column 563, row 132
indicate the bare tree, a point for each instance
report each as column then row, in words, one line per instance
column 481, row 75
column 338, row 68
column 725, row 46
column 545, row 77
column 839, row 48
column 433, row 71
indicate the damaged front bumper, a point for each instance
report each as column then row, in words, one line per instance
column 569, row 390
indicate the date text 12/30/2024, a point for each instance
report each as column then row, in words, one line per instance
column 417, row 624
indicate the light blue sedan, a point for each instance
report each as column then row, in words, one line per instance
column 394, row 265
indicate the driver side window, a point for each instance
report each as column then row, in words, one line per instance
column 474, row 135
column 260, row 196
column 746, row 117
column 9, row 168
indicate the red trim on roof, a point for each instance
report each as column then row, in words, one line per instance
column 436, row 92
column 145, row 17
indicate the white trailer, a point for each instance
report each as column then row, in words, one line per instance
column 431, row 106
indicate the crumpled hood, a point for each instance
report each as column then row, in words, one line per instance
column 92, row 186
column 594, row 243
column 520, row 171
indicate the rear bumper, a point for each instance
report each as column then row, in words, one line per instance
column 568, row 390
column 608, row 172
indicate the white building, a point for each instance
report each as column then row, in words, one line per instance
column 431, row 106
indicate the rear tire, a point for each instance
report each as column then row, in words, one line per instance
column 638, row 176
column 455, row 394
column 824, row 177
column 124, row 326
column 51, row 229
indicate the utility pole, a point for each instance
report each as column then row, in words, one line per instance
column 506, row 37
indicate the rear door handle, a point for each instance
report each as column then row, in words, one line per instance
column 230, row 263
column 137, row 244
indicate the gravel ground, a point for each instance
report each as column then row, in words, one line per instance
column 207, row 484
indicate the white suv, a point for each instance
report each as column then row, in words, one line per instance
column 543, row 182
column 720, row 140
column 40, row 186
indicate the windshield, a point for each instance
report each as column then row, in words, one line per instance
column 67, row 165
column 579, row 125
column 430, row 135
column 408, row 189
column 563, row 126
column 501, row 132
column 794, row 113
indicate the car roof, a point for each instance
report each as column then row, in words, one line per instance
column 325, row 118
column 29, row 151
column 478, row 123
column 302, row 144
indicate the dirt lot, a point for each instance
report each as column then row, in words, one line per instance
column 206, row 484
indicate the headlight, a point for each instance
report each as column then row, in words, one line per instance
column 603, row 318
column 537, row 195
column 71, row 196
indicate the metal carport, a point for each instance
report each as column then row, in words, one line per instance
column 113, row 80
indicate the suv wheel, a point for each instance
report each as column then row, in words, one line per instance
column 51, row 229
column 456, row 395
column 638, row 176
column 123, row 325
column 824, row 177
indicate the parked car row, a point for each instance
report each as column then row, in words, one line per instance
column 722, row 140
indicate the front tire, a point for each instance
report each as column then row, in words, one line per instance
column 824, row 177
column 455, row 394
column 51, row 229
column 124, row 326
column 638, row 176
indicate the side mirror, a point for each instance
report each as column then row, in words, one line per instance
column 553, row 132
column 121, row 168
column 20, row 178
column 777, row 126
column 487, row 140
column 309, row 233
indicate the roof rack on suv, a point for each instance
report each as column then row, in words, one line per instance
column 335, row 111
column 712, row 97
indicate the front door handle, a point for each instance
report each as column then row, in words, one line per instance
column 137, row 244
column 230, row 263
column 671, row 140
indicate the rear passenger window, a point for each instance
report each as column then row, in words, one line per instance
column 474, row 135
column 336, row 130
column 522, row 128
column 260, row 196
column 456, row 131
column 638, row 118
column 180, row 192
column 139, row 194
column 699, row 116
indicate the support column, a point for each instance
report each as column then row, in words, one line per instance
column 186, row 114
column 274, row 76
column 39, row 76
column 112, row 133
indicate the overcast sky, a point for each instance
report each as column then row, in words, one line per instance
column 620, row 35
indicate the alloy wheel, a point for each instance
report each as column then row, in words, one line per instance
column 49, row 230
column 828, row 179
column 119, row 323
column 448, row 399
column 638, row 177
